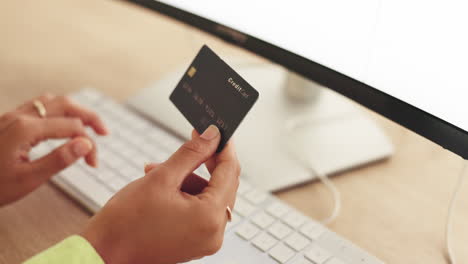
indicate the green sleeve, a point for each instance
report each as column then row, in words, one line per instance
column 72, row 250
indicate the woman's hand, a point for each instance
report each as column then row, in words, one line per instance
column 170, row 215
column 23, row 128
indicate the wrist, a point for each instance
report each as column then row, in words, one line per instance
column 108, row 248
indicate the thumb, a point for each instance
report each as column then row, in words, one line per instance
column 61, row 157
column 192, row 154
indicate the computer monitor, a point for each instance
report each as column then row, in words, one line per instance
column 402, row 59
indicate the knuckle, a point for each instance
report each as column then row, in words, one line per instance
column 215, row 203
column 63, row 158
column 162, row 169
column 91, row 116
column 159, row 179
column 214, row 245
column 209, row 228
column 158, row 174
column 46, row 96
column 8, row 116
column 193, row 147
column 212, row 224
column 65, row 100
column 77, row 124
column 22, row 122
column 21, row 127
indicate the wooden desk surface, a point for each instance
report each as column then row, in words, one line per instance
column 395, row 209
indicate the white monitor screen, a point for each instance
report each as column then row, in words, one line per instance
column 413, row 50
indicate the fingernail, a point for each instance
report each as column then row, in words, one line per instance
column 146, row 165
column 82, row 147
column 210, row 133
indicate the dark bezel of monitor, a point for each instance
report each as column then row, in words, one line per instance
column 431, row 127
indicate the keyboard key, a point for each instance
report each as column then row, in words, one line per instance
column 263, row 220
column 203, row 172
column 114, row 161
column 39, row 151
column 90, row 132
column 121, row 114
column 34, row 154
column 294, row 219
column 104, row 152
column 281, row 253
column 113, row 108
column 115, row 128
column 149, row 149
column 160, row 156
column 243, row 207
column 297, row 241
column 312, row 230
column 88, row 95
column 157, row 135
column 243, row 187
column 128, row 153
column 279, row 230
column 256, row 197
column 264, row 242
column 85, row 185
column 128, row 135
column 131, row 173
column 317, row 254
column 102, row 141
column 277, row 209
column 139, row 160
column 301, row 260
column 118, row 146
column 140, row 124
column 102, row 173
column 346, row 250
column 196, row 262
column 247, row 231
column 335, row 261
column 235, row 220
column 116, row 184
column 55, row 143
column 167, row 141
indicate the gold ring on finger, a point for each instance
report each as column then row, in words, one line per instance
column 40, row 108
column 229, row 213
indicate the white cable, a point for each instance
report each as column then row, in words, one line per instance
column 291, row 125
column 335, row 193
column 451, row 210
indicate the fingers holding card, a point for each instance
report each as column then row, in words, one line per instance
column 212, row 93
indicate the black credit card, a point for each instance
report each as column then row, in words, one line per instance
column 211, row 92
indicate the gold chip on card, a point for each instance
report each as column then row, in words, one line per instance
column 191, row 72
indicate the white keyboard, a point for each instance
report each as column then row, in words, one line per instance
column 264, row 229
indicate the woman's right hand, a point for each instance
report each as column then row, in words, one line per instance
column 160, row 218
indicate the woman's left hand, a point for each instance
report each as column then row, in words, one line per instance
column 23, row 128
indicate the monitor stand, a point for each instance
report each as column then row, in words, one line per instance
column 286, row 131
